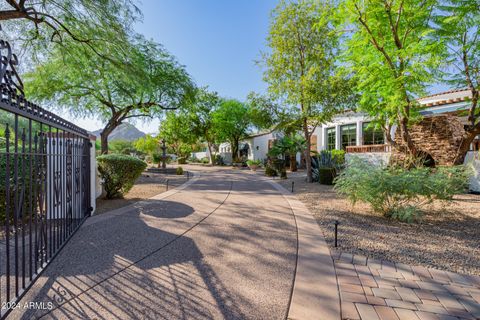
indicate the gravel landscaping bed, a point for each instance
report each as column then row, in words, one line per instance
column 447, row 238
column 146, row 186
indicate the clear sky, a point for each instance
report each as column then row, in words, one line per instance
column 217, row 40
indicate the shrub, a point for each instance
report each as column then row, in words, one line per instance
column 219, row 160
column 398, row 192
column 338, row 156
column 204, row 160
column 270, row 172
column 254, row 162
column 182, row 160
column 119, row 173
column 179, row 171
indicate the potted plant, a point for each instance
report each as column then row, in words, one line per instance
column 254, row 164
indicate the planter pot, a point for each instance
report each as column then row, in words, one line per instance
column 326, row 175
column 253, row 167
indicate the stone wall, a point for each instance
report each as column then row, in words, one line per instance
column 439, row 136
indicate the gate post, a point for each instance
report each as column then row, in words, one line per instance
column 93, row 174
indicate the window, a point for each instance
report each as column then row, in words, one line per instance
column 330, row 138
column 372, row 135
column 348, row 135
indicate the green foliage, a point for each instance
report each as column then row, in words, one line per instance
column 301, row 69
column 131, row 85
column 398, row 192
column 338, row 156
column 287, row 146
column 231, row 121
column 179, row 171
column 204, row 160
column 392, row 55
column 254, row 162
column 119, row 173
column 147, row 144
column 270, row 171
column 176, row 131
column 23, row 165
column 182, row 160
column 326, row 165
column 219, row 160
column 121, row 146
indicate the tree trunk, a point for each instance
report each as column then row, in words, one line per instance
column 104, row 136
column 308, row 158
column 465, row 146
column 234, row 145
column 293, row 162
column 210, row 156
column 407, row 139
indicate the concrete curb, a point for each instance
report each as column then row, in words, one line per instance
column 116, row 212
column 315, row 292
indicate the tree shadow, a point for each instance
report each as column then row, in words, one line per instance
column 125, row 266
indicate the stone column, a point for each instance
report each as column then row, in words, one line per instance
column 359, row 133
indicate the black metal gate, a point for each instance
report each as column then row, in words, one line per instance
column 44, row 184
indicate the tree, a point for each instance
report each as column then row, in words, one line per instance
column 393, row 56
column 175, row 129
column 147, row 144
column 459, row 26
column 289, row 145
column 200, row 114
column 231, row 122
column 148, row 81
column 51, row 20
column 300, row 69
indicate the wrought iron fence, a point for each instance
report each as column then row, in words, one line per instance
column 44, row 184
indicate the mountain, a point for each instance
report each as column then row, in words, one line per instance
column 125, row 131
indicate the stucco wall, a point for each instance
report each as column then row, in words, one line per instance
column 473, row 159
column 374, row 158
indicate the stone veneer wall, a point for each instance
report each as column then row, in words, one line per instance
column 439, row 136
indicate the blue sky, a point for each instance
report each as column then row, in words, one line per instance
column 217, row 40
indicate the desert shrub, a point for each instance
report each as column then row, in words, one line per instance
column 182, row 160
column 119, row 173
column 326, row 165
column 270, row 171
column 254, row 162
column 399, row 192
column 179, row 171
column 338, row 156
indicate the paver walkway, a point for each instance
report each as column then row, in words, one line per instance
column 381, row 290
column 223, row 247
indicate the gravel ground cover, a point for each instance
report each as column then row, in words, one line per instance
column 447, row 238
column 146, row 186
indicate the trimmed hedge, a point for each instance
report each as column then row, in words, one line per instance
column 119, row 173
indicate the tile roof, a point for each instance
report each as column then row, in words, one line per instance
column 451, row 96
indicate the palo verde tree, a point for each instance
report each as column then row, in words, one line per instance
column 300, row 69
column 458, row 24
column 148, row 81
column 393, row 55
column 41, row 22
column 231, row 121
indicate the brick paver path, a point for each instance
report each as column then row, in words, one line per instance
column 380, row 290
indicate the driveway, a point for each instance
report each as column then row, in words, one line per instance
column 223, row 247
